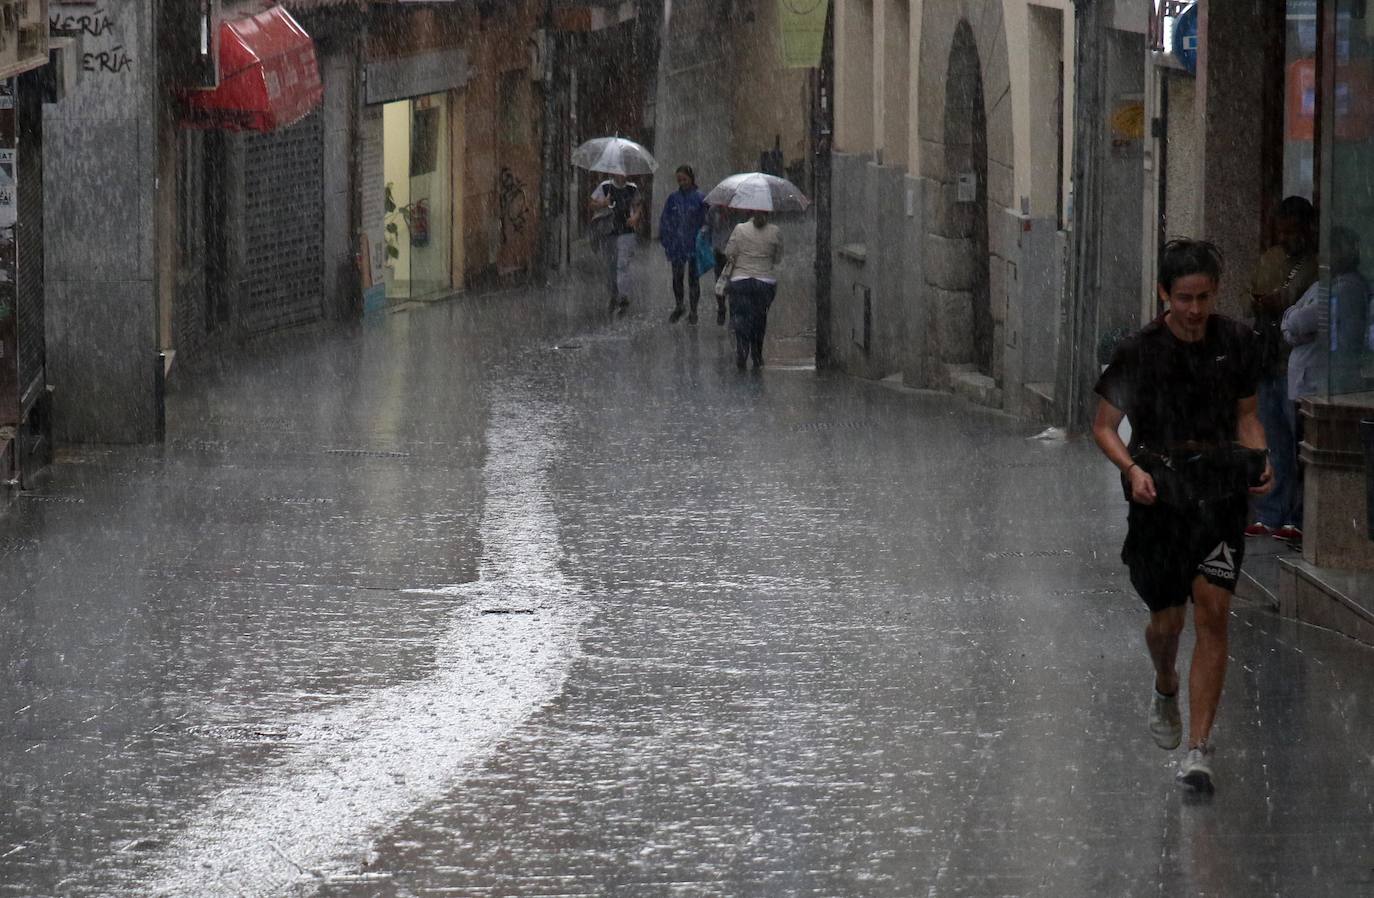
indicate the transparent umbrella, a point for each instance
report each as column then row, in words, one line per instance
column 614, row 156
column 757, row 192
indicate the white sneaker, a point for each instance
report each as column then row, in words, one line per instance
column 1166, row 724
column 1196, row 772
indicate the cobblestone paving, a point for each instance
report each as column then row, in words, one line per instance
column 483, row 600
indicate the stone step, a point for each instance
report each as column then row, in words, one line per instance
column 973, row 385
column 1338, row 600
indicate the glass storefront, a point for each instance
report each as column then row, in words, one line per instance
column 1300, row 98
column 419, row 197
column 1347, row 197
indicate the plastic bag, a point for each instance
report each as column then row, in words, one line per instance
column 706, row 254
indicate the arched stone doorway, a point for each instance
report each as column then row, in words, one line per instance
column 964, row 122
column 966, row 160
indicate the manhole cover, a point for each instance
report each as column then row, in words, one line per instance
column 857, row 424
column 268, row 734
column 366, row 453
column 1037, row 553
column 184, row 445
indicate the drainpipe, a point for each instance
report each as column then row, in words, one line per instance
column 357, row 102
column 546, row 258
column 1077, row 371
column 824, row 114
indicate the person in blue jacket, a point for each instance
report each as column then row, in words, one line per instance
column 684, row 215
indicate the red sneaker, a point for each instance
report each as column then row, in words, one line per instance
column 1289, row 533
column 1258, row 529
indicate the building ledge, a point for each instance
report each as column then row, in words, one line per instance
column 854, row 252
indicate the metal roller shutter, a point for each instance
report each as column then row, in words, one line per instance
column 29, row 233
column 284, row 227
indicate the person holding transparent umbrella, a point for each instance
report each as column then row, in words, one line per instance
column 617, row 206
column 754, row 253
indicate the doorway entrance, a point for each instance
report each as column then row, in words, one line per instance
column 419, row 197
column 966, row 161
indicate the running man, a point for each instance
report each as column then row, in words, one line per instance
column 1187, row 383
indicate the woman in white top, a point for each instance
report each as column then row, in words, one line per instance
column 755, row 252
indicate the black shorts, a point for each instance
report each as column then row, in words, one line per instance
column 1167, row 548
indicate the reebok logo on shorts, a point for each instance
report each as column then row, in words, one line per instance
column 1220, row 564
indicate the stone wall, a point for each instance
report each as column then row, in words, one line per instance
column 100, row 153
column 883, row 259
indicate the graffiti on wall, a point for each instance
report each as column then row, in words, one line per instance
column 515, row 207
column 103, row 50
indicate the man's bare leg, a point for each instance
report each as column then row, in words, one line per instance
column 1211, row 619
column 1161, row 635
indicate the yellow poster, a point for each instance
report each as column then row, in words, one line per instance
column 803, row 32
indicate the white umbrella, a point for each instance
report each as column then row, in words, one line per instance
column 614, row 156
column 758, row 192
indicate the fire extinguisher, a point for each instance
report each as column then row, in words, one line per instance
column 419, row 223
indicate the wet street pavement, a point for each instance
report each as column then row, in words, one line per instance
column 496, row 597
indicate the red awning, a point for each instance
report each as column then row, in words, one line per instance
column 268, row 76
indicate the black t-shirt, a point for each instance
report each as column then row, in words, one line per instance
column 1176, row 392
column 622, row 200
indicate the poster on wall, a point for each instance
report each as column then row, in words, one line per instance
column 1128, row 125
column 9, row 205
column 803, row 32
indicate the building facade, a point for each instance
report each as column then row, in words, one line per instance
column 415, row 171
column 1251, row 109
column 952, row 194
column 35, row 70
column 724, row 102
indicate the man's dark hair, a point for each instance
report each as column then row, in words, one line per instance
column 687, row 170
column 1182, row 257
column 1296, row 208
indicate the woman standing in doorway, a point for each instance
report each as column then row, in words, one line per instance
column 754, row 253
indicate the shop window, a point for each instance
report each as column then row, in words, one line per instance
column 1300, row 98
column 1344, row 356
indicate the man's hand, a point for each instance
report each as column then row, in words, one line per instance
column 1266, row 484
column 1142, row 486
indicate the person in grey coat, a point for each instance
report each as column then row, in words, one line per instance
column 1339, row 313
column 1327, row 329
